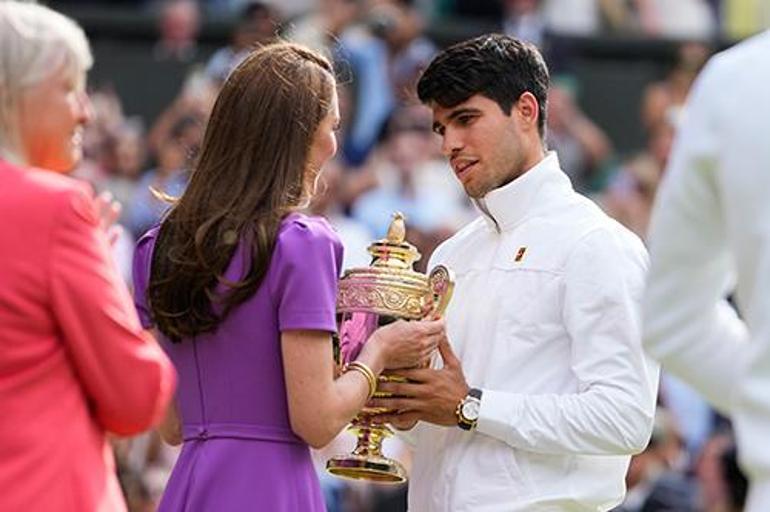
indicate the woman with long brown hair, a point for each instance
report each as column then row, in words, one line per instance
column 242, row 288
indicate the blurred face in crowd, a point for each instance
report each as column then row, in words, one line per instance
column 129, row 155
column 180, row 20
column 561, row 108
column 660, row 142
column 52, row 115
column 395, row 23
column 171, row 156
column 486, row 147
column 408, row 148
column 259, row 28
column 324, row 145
column 338, row 14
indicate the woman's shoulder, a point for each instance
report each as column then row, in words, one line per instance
column 150, row 235
column 301, row 230
column 46, row 189
column 143, row 255
column 146, row 242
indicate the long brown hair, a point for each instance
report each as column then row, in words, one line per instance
column 251, row 172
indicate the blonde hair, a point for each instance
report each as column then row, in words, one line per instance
column 35, row 43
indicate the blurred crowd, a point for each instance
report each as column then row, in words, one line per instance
column 389, row 161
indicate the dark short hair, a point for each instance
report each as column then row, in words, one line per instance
column 496, row 66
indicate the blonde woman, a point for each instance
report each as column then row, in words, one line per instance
column 74, row 360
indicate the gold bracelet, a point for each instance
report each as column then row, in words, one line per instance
column 367, row 372
column 368, row 382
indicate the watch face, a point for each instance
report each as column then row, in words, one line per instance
column 470, row 410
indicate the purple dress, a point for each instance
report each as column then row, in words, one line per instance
column 239, row 451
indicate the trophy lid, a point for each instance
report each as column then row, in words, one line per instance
column 394, row 251
column 389, row 286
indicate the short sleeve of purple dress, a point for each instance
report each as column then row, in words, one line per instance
column 239, row 452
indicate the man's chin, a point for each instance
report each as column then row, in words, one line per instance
column 475, row 193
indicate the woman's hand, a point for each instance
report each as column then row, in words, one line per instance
column 403, row 344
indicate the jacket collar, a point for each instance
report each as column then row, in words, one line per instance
column 504, row 207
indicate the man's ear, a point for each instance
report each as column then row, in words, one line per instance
column 528, row 110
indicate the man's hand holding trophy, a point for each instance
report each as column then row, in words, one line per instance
column 388, row 293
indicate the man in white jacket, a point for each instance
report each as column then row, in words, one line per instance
column 711, row 225
column 549, row 393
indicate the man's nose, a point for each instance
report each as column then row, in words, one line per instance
column 450, row 143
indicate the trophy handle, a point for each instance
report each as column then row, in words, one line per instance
column 441, row 282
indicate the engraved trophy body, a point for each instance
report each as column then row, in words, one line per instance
column 369, row 297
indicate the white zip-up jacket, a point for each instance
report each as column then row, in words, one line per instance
column 545, row 321
column 711, row 224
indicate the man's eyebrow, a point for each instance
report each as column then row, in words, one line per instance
column 461, row 111
column 455, row 114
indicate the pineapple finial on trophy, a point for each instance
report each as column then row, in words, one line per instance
column 397, row 229
column 394, row 251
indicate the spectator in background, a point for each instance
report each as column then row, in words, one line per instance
column 381, row 50
column 409, row 180
column 581, row 145
column 709, row 234
column 681, row 19
column 114, row 148
column 399, row 24
column 168, row 178
column 723, row 486
column 662, row 100
column 144, row 464
column 190, row 109
column 257, row 25
column 179, row 23
column 524, row 20
column 573, row 17
column 322, row 28
column 75, row 362
column 124, row 157
column 107, row 117
column 630, row 193
column 114, row 153
column 354, row 234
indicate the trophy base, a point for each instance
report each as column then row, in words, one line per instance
column 367, row 467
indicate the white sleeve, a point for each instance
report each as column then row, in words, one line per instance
column 411, row 437
column 611, row 412
column 688, row 326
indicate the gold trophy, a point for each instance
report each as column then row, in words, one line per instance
column 369, row 297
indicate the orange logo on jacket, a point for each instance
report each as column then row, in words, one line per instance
column 520, row 254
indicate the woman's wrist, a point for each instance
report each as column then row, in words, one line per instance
column 368, row 374
column 373, row 355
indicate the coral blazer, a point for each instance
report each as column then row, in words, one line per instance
column 74, row 360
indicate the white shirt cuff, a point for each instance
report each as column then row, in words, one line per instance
column 499, row 412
